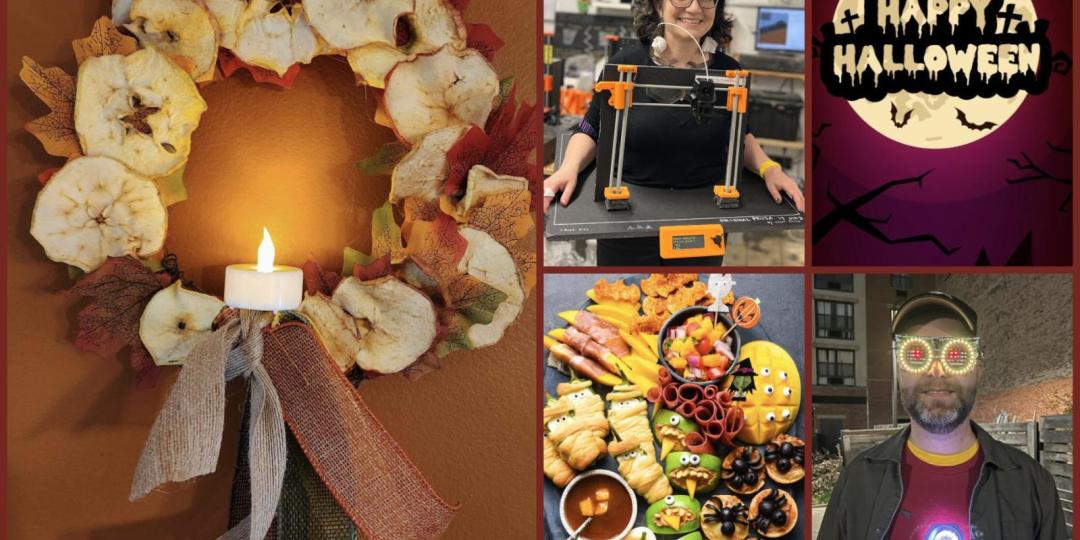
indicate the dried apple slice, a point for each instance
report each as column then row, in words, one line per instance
column 348, row 24
column 181, row 29
column 488, row 261
column 94, row 208
column 138, row 109
column 441, row 89
column 174, row 320
column 483, row 182
column 431, row 25
column 422, row 171
column 336, row 328
column 271, row 34
column 396, row 321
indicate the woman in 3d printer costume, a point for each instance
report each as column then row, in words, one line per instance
column 665, row 146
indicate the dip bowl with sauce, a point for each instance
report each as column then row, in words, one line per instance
column 622, row 506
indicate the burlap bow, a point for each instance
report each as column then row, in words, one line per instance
column 186, row 438
column 369, row 475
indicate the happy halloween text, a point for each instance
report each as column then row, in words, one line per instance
column 963, row 48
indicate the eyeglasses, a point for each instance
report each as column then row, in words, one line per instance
column 705, row 4
column 915, row 354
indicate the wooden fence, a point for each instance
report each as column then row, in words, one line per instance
column 1049, row 441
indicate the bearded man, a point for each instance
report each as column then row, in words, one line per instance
column 943, row 477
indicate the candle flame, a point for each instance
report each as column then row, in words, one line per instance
column 266, row 253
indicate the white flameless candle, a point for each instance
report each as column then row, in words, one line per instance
column 263, row 286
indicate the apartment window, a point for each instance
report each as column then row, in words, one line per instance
column 835, row 282
column 900, row 282
column 835, row 367
column 834, row 320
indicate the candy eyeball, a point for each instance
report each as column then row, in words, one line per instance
column 787, row 392
column 765, row 372
column 684, row 460
column 768, row 390
column 783, row 375
column 675, row 420
column 694, row 460
column 770, row 417
column 785, row 414
column 669, row 500
column 579, row 395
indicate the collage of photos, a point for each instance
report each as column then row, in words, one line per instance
column 543, row 269
column 900, row 145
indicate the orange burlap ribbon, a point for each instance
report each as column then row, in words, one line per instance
column 367, row 472
column 294, row 381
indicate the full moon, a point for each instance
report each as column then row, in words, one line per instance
column 934, row 121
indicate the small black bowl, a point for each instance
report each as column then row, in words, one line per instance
column 676, row 320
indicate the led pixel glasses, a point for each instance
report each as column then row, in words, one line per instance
column 915, row 354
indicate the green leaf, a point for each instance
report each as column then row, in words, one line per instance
column 474, row 299
column 352, row 258
column 172, row 187
column 457, row 338
column 505, row 86
column 386, row 234
column 383, row 162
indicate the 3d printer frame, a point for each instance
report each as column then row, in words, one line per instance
column 705, row 91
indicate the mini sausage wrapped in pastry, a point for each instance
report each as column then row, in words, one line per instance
column 574, row 438
column 628, row 415
column 586, row 403
column 556, row 413
column 637, row 464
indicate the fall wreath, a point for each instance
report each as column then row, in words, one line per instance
column 461, row 171
column 451, row 259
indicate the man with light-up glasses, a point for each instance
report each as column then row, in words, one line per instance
column 944, row 477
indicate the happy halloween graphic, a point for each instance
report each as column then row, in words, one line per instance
column 941, row 132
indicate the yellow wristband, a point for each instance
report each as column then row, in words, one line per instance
column 766, row 166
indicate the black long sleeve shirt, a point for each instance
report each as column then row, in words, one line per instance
column 665, row 146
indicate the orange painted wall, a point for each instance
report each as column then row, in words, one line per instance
column 261, row 156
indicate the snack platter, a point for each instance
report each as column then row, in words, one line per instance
column 633, row 420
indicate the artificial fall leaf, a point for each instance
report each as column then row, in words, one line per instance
column 385, row 234
column 384, row 161
column 351, row 258
column 437, row 247
column 506, row 89
column 147, row 373
column 229, row 64
column 45, row 175
column 482, row 38
column 56, row 130
column 505, row 216
column 524, row 255
column 473, row 298
column 171, row 187
column 508, row 146
column 317, row 280
column 427, row 363
column 457, row 336
column 118, row 291
column 468, row 151
column 103, row 40
column 375, row 269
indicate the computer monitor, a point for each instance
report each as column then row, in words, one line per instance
column 780, row 29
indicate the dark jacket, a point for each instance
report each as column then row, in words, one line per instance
column 1015, row 498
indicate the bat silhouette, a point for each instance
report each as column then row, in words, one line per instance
column 904, row 122
column 977, row 127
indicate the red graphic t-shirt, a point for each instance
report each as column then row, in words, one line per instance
column 937, row 492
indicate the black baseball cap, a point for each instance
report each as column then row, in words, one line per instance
column 939, row 301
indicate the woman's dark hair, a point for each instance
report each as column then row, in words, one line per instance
column 647, row 20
